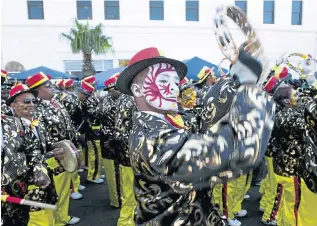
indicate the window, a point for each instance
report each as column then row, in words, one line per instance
column 35, row 10
column 297, row 9
column 156, row 10
column 112, row 10
column 192, row 11
column 268, row 13
column 242, row 5
column 84, row 10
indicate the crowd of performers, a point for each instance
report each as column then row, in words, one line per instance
column 174, row 152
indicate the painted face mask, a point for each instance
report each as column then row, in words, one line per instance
column 160, row 87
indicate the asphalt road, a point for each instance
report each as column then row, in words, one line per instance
column 94, row 208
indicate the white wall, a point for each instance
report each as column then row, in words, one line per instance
column 38, row 42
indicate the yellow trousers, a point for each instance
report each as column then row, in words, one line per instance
column 82, row 156
column 41, row 218
column 271, row 199
column 127, row 197
column 62, row 185
column 248, row 181
column 298, row 204
column 113, row 181
column 94, row 160
column 75, row 181
column 229, row 196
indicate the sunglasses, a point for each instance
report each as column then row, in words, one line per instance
column 47, row 84
column 29, row 101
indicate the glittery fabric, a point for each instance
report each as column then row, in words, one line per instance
column 174, row 169
column 123, row 126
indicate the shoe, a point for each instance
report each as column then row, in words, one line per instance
column 241, row 213
column 258, row 183
column 97, row 181
column 234, row 222
column 268, row 222
column 73, row 220
column 102, row 176
column 246, row 196
column 80, row 170
column 81, row 187
column 76, row 195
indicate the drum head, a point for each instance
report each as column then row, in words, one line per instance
column 70, row 161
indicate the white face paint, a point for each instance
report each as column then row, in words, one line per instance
column 160, row 87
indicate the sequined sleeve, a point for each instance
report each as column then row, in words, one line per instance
column 217, row 101
column 13, row 159
column 108, row 113
column 123, row 121
column 185, row 160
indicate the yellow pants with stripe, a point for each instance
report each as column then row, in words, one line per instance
column 94, row 160
column 271, row 199
column 112, row 177
column 75, row 181
column 229, row 196
column 62, row 185
column 43, row 217
column 298, row 203
column 127, row 197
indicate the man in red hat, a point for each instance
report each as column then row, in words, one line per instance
column 91, row 127
column 37, row 145
column 109, row 144
column 59, row 125
column 173, row 169
column 291, row 185
column 72, row 104
column 123, row 126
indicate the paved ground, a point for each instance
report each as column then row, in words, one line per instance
column 94, row 208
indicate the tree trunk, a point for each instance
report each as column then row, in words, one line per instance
column 88, row 68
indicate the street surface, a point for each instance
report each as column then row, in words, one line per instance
column 94, row 208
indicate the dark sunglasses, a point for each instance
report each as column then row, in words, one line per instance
column 47, row 84
column 28, row 101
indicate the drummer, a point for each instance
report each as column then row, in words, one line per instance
column 59, row 125
column 37, row 143
column 72, row 105
column 171, row 166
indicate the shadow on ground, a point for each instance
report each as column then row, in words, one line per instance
column 94, row 209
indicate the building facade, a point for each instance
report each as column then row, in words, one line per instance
column 31, row 30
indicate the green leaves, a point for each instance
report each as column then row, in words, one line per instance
column 88, row 39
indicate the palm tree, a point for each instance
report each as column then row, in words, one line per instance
column 87, row 40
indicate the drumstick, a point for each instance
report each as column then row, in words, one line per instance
column 11, row 199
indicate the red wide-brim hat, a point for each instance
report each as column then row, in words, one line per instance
column 18, row 90
column 142, row 60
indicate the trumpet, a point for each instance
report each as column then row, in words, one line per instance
column 226, row 42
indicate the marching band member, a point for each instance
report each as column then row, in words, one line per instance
column 294, row 187
column 72, row 105
column 171, row 166
column 13, row 171
column 123, row 126
column 38, row 144
column 4, row 93
column 109, row 143
column 91, row 127
column 58, row 123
